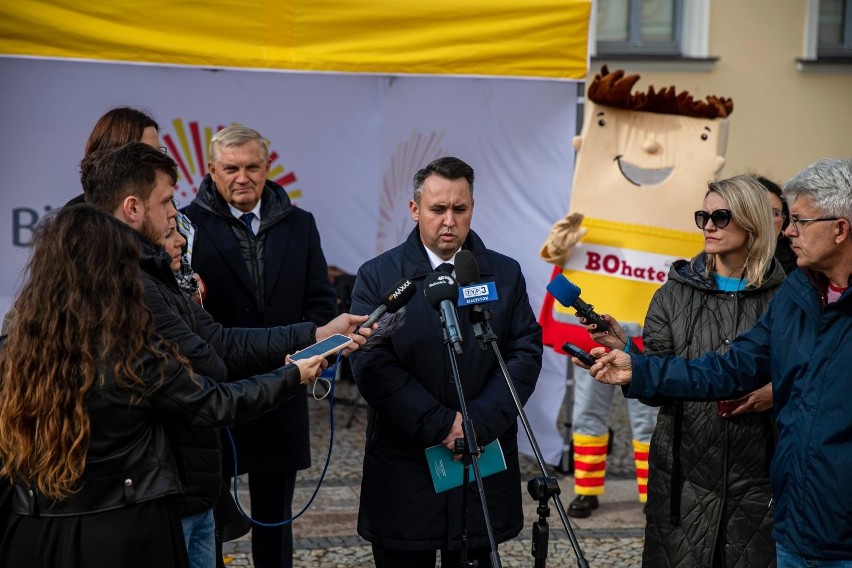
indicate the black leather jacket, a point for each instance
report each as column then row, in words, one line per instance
column 215, row 352
column 129, row 459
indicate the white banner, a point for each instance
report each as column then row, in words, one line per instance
column 345, row 147
column 620, row 262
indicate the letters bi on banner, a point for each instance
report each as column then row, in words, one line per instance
column 344, row 146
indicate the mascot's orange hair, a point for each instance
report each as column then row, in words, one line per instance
column 613, row 89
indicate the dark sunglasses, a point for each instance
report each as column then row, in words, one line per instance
column 720, row 218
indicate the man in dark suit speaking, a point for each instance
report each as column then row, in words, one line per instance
column 261, row 260
column 408, row 384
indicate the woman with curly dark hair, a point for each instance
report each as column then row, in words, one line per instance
column 86, row 471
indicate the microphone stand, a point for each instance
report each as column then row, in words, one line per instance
column 541, row 488
column 470, row 456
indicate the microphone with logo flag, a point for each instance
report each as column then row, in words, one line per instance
column 392, row 300
column 475, row 295
column 390, row 315
column 441, row 291
column 472, row 292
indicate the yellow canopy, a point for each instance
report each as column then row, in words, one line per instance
column 518, row 38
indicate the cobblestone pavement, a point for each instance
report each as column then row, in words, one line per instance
column 325, row 535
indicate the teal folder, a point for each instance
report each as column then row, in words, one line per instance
column 447, row 473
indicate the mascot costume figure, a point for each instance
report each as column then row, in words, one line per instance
column 643, row 163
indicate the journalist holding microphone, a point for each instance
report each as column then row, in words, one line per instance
column 800, row 342
column 407, row 382
column 88, row 390
column 708, row 486
column 134, row 183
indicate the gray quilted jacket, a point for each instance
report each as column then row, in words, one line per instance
column 708, row 492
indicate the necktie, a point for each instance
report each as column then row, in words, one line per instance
column 445, row 267
column 247, row 218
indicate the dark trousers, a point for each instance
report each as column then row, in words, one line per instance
column 392, row 558
column 272, row 502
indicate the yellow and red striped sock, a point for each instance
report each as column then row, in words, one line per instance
column 640, row 455
column 589, row 463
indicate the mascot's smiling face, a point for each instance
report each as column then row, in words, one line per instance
column 645, row 167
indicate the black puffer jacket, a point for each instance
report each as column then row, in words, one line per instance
column 215, row 352
column 129, row 459
column 708, row 488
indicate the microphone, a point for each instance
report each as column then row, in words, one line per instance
column 471, row 290
column 440, row 290
column 568, row 294
column 475, row 295
column 392, row 300
column 467, row 270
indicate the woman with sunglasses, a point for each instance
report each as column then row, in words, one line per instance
column 709, row 501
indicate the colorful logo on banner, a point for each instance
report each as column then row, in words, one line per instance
column 394, row 222
column 188, row 147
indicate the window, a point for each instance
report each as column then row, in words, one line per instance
column 638, row 27
column 834, row 28
column 651, row 30
column 828, row 37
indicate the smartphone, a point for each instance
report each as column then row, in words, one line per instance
column 328, row 346
column 725, row 406
column 583, row 356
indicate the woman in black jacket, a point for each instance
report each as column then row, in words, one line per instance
column 780, row 218
column 709, row 500
column 85, row 387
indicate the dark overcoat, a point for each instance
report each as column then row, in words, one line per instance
column 289, row 270
column 407, row 382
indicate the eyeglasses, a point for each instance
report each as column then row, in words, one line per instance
column 795, row 221
column 720, row 218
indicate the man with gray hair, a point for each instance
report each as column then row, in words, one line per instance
column 798, row 344
column 262, row 264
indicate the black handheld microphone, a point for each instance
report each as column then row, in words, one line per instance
column 441, row 292
column 467, row 270
column 568, row 294
column 392, row 300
